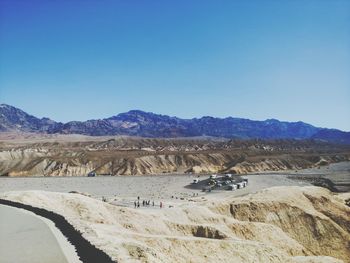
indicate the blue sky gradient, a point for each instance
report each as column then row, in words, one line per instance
column 78, row 60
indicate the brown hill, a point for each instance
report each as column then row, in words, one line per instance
column 76, row 156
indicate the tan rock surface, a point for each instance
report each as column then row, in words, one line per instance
column 281, row 224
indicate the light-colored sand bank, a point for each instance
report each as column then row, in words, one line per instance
column 280, row 224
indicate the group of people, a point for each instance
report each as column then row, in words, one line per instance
column 145, row 203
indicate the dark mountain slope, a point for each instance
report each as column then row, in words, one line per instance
column 146, row 124
column 14, row 119
column 332, row 135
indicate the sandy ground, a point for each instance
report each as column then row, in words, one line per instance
column 279, row 224
column 123, row 190
column 337, row 173
column 164, row 187
column 169, row 189
column 30, row 238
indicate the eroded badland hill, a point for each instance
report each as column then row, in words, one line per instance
column 77, row 156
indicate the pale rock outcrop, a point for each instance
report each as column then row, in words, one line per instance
column 281, row 224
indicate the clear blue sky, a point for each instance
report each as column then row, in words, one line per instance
column 78, row 60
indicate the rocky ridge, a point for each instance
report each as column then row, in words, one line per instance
column 147, row 124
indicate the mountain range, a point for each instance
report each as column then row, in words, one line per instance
column 147, row 124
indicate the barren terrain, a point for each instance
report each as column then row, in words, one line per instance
column 75, row 155
column 278, row 217
column 281, row 224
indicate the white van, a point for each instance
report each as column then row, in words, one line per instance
column 213, row 176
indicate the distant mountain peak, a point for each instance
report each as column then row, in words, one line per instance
column 139, row 112
column 272, row 121
column 4, row 105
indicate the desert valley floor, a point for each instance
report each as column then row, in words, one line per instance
column 278, row 217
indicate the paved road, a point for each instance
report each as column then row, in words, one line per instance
column 25, row 238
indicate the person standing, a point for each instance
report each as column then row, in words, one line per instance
column 161, row 204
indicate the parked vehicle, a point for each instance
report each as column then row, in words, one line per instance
column 232, row 187
column 91, row 174
column 213, row 176
column 212, row 182
column 241, row 185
